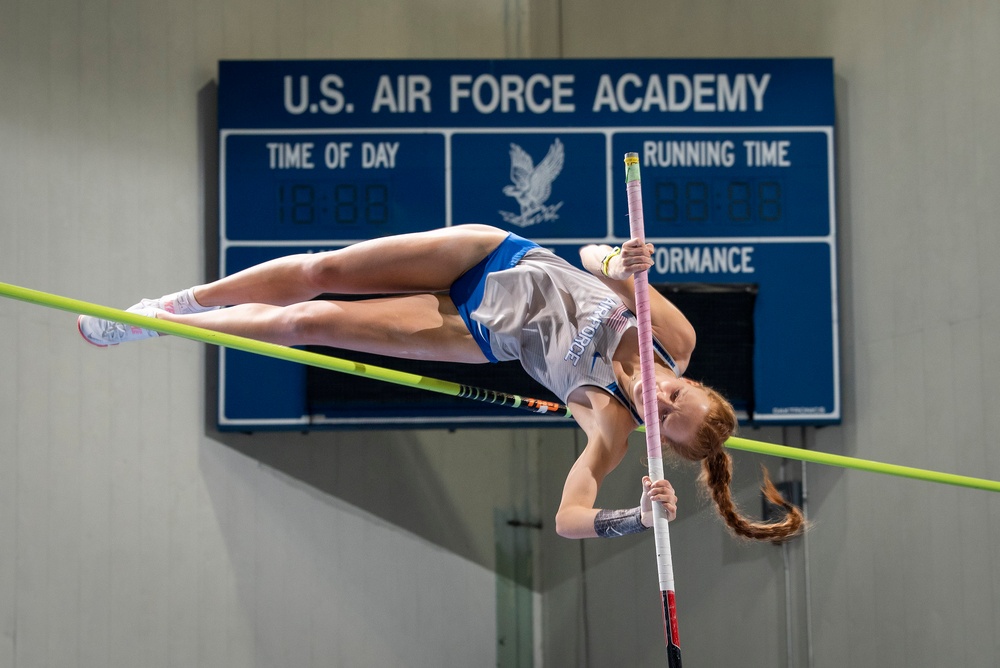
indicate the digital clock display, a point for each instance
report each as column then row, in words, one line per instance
column 732, row 183
column 698, row 201
column 331, row 203
column 332, row 186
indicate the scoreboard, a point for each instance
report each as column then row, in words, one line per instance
column 737, row 163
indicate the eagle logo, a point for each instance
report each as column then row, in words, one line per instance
column 531, row 185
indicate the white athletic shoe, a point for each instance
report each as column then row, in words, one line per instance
column 180, row 303
column 103, row 333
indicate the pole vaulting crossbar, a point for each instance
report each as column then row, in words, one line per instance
column 284, row 352
column 454, row 389
column 844, row 461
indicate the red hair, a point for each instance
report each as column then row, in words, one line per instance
column 708, row 447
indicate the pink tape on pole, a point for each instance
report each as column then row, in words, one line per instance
column 633, row 189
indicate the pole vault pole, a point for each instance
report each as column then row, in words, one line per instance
column 654, row 453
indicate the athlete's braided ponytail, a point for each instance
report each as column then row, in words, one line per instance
column 717, row 473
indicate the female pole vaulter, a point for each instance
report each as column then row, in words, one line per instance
column 478, row 294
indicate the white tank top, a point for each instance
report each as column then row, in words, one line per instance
column 563, row 324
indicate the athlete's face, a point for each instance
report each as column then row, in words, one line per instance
column 682, row 405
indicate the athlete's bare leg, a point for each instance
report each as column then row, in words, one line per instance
column 274, row 301
column 419, row 262
column 416, row 326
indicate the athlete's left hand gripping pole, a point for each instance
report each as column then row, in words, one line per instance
column 661, row 529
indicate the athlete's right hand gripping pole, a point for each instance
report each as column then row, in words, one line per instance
column 661, row 530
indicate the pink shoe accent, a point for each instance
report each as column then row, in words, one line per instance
column 96, row 345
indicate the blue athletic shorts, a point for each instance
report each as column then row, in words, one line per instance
column 467, row 291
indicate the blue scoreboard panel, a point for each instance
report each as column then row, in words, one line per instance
column 737, row 166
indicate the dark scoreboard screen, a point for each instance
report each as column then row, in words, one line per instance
column 737, row 168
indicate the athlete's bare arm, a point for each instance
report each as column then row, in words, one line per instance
column 670, row 326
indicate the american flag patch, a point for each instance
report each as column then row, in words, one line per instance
column 618, row 319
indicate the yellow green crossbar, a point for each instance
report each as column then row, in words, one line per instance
column 844, row 461
column 283, row 352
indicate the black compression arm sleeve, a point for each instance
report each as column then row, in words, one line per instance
column 612, row 523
